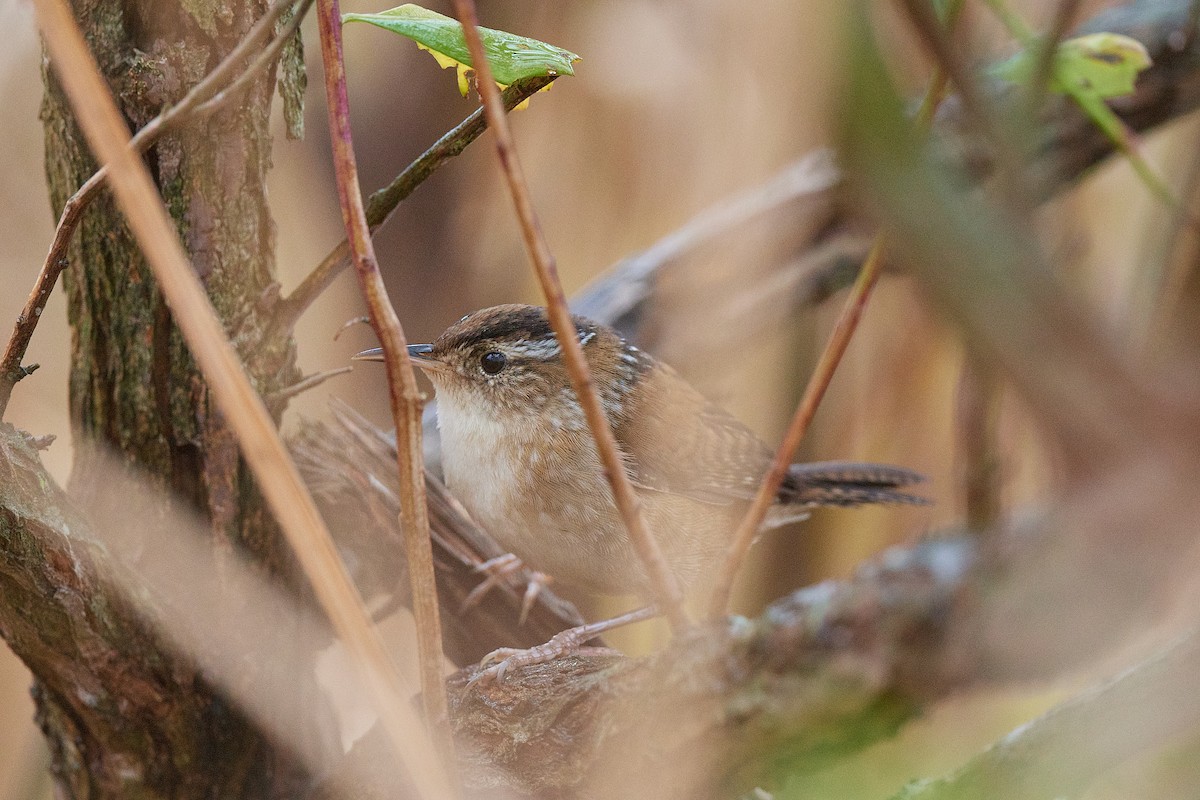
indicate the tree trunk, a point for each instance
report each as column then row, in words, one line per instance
column 136, row 393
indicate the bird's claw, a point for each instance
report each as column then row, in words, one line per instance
column 569, row 642
column 533, row 590
column 499, row 652
column 499, row 569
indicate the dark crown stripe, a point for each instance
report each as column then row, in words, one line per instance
column 529, row 323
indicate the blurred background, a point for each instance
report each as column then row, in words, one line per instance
column 676, row 107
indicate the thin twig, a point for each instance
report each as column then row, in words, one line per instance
column 303, row 385
column 260, row 63
column 978, row 114
column 1064, row 17
column 747, row 529
column 818, row 382
column 978, row 400
column 56, row 258
column 258, row 439
column 406, row 399
column 382, row 203
column 663, row 585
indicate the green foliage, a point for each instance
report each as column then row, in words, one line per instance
column 1092, row 67
column 1089, row 69
column 511, row 57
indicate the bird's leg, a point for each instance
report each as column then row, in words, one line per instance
column 499, row 569
column 568, row 642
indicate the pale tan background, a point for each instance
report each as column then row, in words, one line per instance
column 676, row 106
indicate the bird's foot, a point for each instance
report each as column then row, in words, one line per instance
column 504, row 659
column 569, row 642
column 503, row 568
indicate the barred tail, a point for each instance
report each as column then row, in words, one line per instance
column 844, row 483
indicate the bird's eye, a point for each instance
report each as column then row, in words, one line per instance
column 492, row 362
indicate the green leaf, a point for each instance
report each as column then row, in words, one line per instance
column 1102, row 64
column 1090, row 69
column 511, row 57
column 1098, row 65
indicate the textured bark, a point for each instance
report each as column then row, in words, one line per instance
column 122, row 718
column 135, row 391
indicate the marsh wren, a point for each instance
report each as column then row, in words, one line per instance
column 517, row 451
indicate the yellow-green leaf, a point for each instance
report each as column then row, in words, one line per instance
column 1102, row 64
column 1098, row 65
column 511, row 57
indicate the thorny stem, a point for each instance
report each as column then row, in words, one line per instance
column 188, row 107
column 235, row 398
column 406, row 399
column 663, row 585
column 814, row 392
column 382, row 203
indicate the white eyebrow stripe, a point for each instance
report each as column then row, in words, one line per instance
column 544, row 349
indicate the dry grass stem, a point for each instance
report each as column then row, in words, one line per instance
column 196, row 101
column 406, row 399
column 236, row 399
column 664, row 587
column 814, row 392
column 977, row 413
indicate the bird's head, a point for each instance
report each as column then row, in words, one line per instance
column 506, row 362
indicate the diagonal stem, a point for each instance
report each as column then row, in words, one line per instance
column 814, row 392
column 663, row 585
column 382, row 203
column 406, row 399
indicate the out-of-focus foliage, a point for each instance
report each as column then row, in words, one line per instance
column 1099, row 65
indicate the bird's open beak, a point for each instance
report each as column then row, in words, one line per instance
column 418, row 354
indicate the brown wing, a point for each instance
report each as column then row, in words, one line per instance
column 677, row 441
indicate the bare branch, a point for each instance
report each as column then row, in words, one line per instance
column 818, row 383
column 280, row 397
